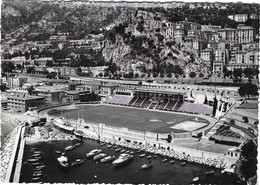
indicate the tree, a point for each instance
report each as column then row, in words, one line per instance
column 49, row 63
column 246, row 166
column 140, row 83
column 215, row 103
column 30, row 89
column 100, row 75
column 136, row 75
column 51, row 75
column 237, row 73
column 168, row 75
column 192, row 74
column 7, row 67
column 228, row 73
column 248, row 72
column 248, row 89
column 206, row 100
column 201, row 75
column 131, row 75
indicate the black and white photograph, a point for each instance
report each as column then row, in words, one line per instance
column 129, row 92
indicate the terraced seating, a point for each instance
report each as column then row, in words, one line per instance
column 201, row 109
column 139, row 101
column 161, row 105
column 132, row 100
column 178, row 105
column 146, row 103
column 152, row 105
column 208, row 110
column 182, row 107
column 191, row 107
column 170, row 105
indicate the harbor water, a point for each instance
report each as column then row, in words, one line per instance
column 91, row 171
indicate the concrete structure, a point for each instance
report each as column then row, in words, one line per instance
column 17, row 81
column 23, row 102
column 52, row 94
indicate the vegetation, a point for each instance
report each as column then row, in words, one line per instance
column 248, row 89
column 246, row 166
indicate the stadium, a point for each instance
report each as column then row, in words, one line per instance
column 180, row 110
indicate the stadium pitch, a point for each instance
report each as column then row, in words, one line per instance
column 133, row 118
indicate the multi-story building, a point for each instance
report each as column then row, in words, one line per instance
column 245, row 34
column 227, row 34
column 239, row 17
column 76, row 96
column 207, row 55
column 65, row 71
column 24, row 102
column 220, row 57
column 17, row 81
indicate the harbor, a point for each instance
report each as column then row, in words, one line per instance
column 93, row 171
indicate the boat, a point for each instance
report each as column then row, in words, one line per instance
column 195, row 179
column 122, row 151
column 99, row 156
column 68, row 148
column 172, row 161
column 210, row 172
column 36, row 155
column 122, row 159
column 155, row 156
column 132, row 152
column 37, row 174
column 77, row 162
column 147, row 165
column 77, row 144
column 35, row 178
column 93, row 152
column 37, row 152
column 142, row 155
column 183, row 163
column 63, row 161
column 102, row 144
column 109, row 146
column 34, row 164
column 61, row 124
column 39, row 157
column 164, row 160
column 42, row 166
column 138, row 151
column 118, row 149
column 79, row 133
column 58, row 152
column 106, row 159
column 32, row 160
column 149, row 157
column 25, row 162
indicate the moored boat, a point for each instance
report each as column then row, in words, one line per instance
column 195, row 179
column 183, row 163
column 32, row 160
column 68, row 148
column 106, row 159
column 210, row 172
column 132, row 152
column 79, row 133
column 109, row 146
column 122, row 151
column 77, row 144
column 93, row 152
column 102, row 143
column 35, row 178
column 172, row 161
column 36, row 155
column 117, row 150
column 142, row 155
column 77, row 162
column 58, row 152
column 164, row 160
column 155, row 156
column 122, row 159
column 147, row 165
column 149, row 157
column 99, row 156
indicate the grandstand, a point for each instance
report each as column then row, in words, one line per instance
column 161, row 100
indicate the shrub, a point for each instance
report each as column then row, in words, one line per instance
column 245, row 118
